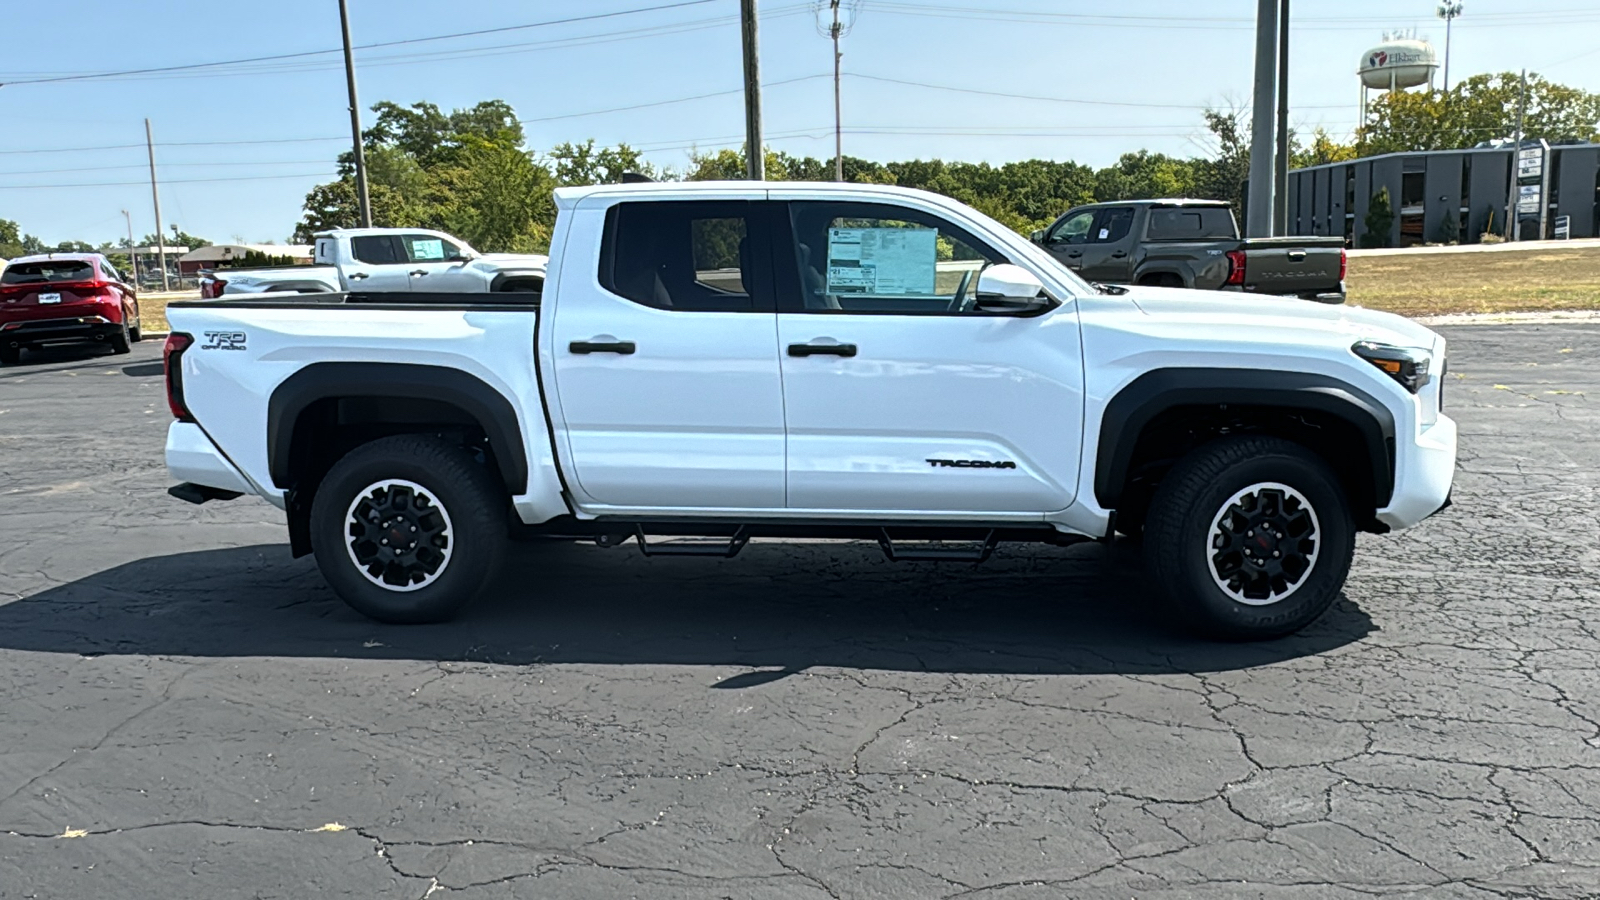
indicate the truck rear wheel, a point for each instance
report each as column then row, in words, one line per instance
column 408, row 528
column 1250, row 538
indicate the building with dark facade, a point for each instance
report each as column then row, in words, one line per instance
column 1427, row 187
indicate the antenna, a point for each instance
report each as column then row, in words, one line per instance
column 843, row 14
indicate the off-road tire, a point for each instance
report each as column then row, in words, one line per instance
column 1180, row 532
column 474, row 505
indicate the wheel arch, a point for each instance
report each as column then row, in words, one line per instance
column 1359, row 425
column 1152, row 274
column 364, row 400
column 504, row 281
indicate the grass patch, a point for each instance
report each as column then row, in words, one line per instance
column 153, row 308
column 1538, row 279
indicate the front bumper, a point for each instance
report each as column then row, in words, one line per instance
column 65, row 330
column 1424, row 473
column 192, row 458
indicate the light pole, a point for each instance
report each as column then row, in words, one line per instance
column 1448, row 10
column 838, row 29
column 133, row 258
column 1258, row 208
column 755, row 154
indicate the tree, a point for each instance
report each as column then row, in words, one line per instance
column 178, row 238
column 585, row 164
column 431, row 137
column 500, row 200
column 1145, row 175
column 1478, row 109
column 1379, row 221
column 335, row 205
column 1224, row 174
column 1324, row 149
column 14, row 243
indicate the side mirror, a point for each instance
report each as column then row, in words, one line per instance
column 1005, row 287
column 1038, row 236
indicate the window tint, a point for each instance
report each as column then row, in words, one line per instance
column 1074, row 230
column 868, row 257
column 1196, row 223
column 55, row 270
column 375, row 250
column 1114, row 225
column 429, row 248
column 110, row 272
column 694, row 256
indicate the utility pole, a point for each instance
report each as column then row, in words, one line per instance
column 1516, row 155
column 155, row 199
column 755, row 153
column 1448, row 10
column 133, row 258
column 838, row 128
column 355, row 120
column 1280, row 172
column 1258, row 214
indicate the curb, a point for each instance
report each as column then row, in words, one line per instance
column 1557, row 317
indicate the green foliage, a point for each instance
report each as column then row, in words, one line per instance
column 1477, row 109
column 1450, row 229
column 335, row 205
column 251, row 259
column 497, row 199
column 1379, row 221
column 578, row 164
column 178, row 238
column 1324, row 149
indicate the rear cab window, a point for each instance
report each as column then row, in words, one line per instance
column 376, row 250
column 1191, row 223
column 692, row 256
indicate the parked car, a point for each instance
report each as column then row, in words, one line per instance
column 65, row 298
column 386, row 259
column 1191, row 244
column 729, row 360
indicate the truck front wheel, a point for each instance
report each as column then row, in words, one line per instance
column 1250, row 538
column 408, row 528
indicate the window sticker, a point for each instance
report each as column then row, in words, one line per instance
column 888, row 261
column 427, row 249
column 1105, row 233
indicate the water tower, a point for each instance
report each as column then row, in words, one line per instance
column 1401, row 61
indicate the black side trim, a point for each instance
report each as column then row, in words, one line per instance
column 201, row 493
column 1153, row 393
column 320, row 381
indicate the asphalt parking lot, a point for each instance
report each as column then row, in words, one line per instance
column 187, row 712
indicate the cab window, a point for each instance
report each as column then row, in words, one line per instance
column 421, row 248
column 376, row 250
column 690, row 256
column 868, row 257
column 1113, row 226
column 1074, row 229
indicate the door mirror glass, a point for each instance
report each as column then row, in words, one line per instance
column 1037, row 236
column 1009, row 287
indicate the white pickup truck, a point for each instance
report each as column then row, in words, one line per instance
column 386, row 259
column 737, row 360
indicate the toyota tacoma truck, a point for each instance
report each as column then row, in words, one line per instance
column 1191, row 244
column 385, row 259
column 715, row 362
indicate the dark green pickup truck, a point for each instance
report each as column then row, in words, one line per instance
column 1191, row 244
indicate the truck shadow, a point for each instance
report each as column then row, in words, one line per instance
column 779, row 609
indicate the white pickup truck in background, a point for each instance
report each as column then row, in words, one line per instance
column 386, row 259
column 737, row 360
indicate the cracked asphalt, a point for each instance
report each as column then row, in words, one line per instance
column 187, row 712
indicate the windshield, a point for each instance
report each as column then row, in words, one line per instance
column 50, row 271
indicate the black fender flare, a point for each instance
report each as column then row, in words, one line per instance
column 301, row 287
column 499, row 281
column 1153, row 393
column 320, row 381
column 1185, row 274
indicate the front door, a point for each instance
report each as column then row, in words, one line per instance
column 666, row 389
column 378, row 264
column 1067, row 238
column 437, row 264
column 901, row 398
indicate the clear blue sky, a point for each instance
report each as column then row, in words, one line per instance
column 1178, row 56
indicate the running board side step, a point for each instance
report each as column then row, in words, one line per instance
column 927, row 553
column 719, row 548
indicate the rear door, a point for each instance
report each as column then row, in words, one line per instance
column 1108, row 256
column 666, row 391
column 377, row 262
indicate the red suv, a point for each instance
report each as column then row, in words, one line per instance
column 64, row 298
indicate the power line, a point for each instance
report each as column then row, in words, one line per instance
column 308, row 53
column 1072, row 100
column 24, row 187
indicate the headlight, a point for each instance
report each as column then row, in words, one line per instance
column 1404, row 364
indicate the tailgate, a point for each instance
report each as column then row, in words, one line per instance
column 1303, row 266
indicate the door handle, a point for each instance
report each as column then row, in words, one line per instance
column 1076, row 253
column 624, row 348
column 1119, row 254
column 417, row 272
column 822, row 350
column 357, row 276
column 1297, row 256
